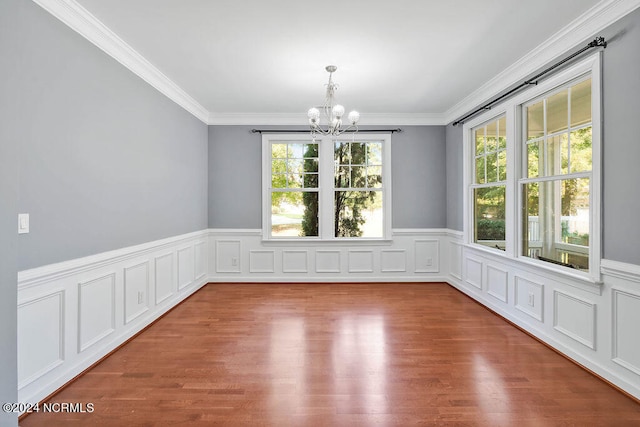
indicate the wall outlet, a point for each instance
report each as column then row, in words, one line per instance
column 140, row 297
column 532, row 299
column 234, row 261
column 428, row 262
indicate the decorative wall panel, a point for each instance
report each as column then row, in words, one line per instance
column 575, row 317
column 136, row 291
column 41, row 332
column 96, row 310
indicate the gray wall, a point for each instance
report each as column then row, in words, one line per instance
column 235, row 177
column 10, row 65
column 621, row 145
column 621, row 141
column 454, row 177
column 419, row 180
column 418, row 177
column 105, row 160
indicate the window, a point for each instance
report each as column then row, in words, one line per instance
column 294, row 189
column 557, row 156
column 533, row 172
column 358, row 191
column 489, row 183
column 326, row 189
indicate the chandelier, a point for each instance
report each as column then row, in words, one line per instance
column 332, row 113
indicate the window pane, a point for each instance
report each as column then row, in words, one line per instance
column 278, row 166
column 310, row 165
column 490, row 216
column 295, row 166
column 564, row 154
column 535, row 120
column 375, row 153
column 502, row 165
column 310, row 150
column 342, row 176
column 358, row 214
column 295, row 180
column 341, row 153
column 279, row 151
column 374, row 177
column 358, row 177
column 492, row 136
column 554, row 155
column 480, row 170
column 581, row 104
column 492, row 167
column 558, row 112
column 294, row 214
column 279, row 181
column 581, row 150
column 502, row 133
column 479, row 134
column 533, row 159
column 310, row 180
column 295, row 151
column 358, row 153
column 557, row 222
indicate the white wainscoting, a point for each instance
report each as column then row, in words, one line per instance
column 411, row 255
column 595, row 324
column 73, row 313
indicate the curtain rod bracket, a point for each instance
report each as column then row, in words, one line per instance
column 597, row 42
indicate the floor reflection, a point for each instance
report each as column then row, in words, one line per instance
column 359, row 356
column 287, row 350
column 491, row 394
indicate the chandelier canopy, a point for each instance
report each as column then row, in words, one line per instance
column 332, row 113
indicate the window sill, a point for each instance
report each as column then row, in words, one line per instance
column 327, row 242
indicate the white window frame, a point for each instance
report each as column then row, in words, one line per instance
column 326, row 167
column 591, row 65
column 474, row 186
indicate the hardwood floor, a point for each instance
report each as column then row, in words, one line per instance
column 337, row 355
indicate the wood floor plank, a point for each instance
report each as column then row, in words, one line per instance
column 337, row 354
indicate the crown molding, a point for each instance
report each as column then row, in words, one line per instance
column 402, row 119
column 84, row 23
column 582, row 28
column 293, row 119
column 258, row 119
column 587, row 25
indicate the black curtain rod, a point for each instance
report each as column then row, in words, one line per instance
column 307, row 131
column 597, row 42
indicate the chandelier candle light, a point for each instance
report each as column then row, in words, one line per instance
column 332, row 113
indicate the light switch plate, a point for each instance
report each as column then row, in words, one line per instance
column 23, row 223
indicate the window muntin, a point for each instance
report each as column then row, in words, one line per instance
column 326, row 189
column 489, row 186
column 557, row 176
column 294, row 189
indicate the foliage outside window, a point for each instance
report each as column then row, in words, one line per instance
column 294, row 189
column 326, row 188
column 489, row 186
column 557, row 169
column 358, row 189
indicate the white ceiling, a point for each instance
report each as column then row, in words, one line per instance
column 405, row 57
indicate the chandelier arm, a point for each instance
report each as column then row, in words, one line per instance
column 333, row 118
